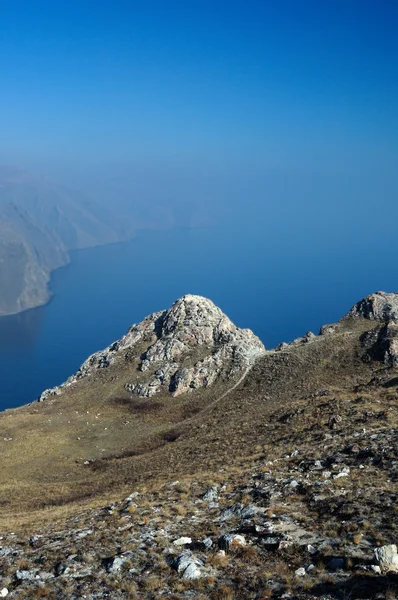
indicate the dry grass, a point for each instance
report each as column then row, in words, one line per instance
column 130, row 443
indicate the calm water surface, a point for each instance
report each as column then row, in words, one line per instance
column 280, row 290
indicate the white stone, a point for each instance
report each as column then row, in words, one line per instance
column 191, row 572
column 343, row 473
column 387, row 557
column 182, row 541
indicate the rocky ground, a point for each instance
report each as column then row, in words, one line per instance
column 285, row 488
column 303, row 525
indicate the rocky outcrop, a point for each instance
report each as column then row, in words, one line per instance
column 189, row 346
column 382, row 344
column 376, row 307
column 387, row 558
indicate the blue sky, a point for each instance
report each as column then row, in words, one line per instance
column 201, row 90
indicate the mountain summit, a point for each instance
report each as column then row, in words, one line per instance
column 189, row 346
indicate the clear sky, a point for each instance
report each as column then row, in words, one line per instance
column 203, row 90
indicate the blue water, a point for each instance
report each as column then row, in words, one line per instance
column 280, row 288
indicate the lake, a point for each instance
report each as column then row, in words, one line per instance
column 279, row 288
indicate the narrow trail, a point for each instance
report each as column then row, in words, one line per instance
column 217, row 400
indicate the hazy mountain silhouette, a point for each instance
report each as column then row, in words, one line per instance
column 40, row 222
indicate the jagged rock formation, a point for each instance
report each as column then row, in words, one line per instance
column 187, row 347
column 376, row 307
column 381, row 342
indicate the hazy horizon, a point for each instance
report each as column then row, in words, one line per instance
column 281, row 111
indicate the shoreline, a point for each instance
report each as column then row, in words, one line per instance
column 137, row 233
column 50, row 293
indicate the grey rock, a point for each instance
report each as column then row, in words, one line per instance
column 344, row 472
column 382, row 344
column 240, row 511
column 376, row 569
column 187, row 565
column 228, row 540
column 193, row 328
column 376, row 307
column 328, row 329
column 337, row 563
column 271, row 542
column 387, row 558
column 211, row 494
column 26, row 575
column 115, row 563
column 6, row 551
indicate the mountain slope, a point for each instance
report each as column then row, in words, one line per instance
column 39, row 223
column 298, row 446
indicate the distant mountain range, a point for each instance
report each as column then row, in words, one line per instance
column 40, row 222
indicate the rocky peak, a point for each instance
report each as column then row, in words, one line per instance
column 376, row 307
column 189, row 346
column 380, row 342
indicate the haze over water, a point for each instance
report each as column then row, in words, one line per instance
column 279, row 291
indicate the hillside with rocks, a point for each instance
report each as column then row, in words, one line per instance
column 186, row 461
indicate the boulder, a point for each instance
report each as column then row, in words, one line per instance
column 187, row 565
column 387, row 558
